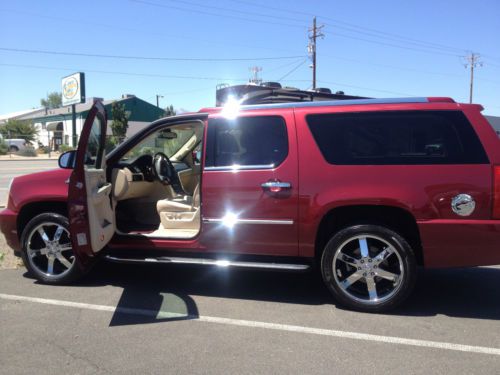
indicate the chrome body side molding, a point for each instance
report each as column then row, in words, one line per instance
column 248, row 221
column 213, row 262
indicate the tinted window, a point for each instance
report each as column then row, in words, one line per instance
column 94, row 150
column 255, row 141
column 402, row 137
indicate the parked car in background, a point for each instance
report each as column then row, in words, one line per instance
column 16, row 144
column 367, row 190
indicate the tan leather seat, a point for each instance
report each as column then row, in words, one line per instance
column 180, row 213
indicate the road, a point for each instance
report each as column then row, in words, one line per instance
column 180, row 319
column 13, row 168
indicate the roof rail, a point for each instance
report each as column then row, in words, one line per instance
column 336, row 103
column 440, row 99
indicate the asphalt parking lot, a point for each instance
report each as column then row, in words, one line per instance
column 179, row 319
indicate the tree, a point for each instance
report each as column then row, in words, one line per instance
column 53, row 100
column 170, row 111
column 19, row 129
column 119, row 125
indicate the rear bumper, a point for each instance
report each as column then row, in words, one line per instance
column 460, row 243
column 8, row 226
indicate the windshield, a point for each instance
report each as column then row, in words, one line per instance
column 161, row 141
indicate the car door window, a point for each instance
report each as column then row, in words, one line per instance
column 94, row 151
column 252, row 142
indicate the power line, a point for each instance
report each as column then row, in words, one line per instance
column 46, row 52
column 350, row 25
column 152, row 75
column 366, row 88
column 225, row 9
column 116, row 27
column 293, row 70
column 396, row 45
column 213, row 14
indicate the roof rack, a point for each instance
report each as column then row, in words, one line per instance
column 273, row 93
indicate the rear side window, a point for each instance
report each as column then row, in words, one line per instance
column 397, row 137
column 259, row 142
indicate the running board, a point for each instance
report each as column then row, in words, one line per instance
column 213, row 262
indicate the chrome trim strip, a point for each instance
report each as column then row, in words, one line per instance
column 250, row 221
column 212, row 262
column 236, row 167
column 337, row 103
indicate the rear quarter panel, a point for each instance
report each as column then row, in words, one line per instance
column 423, row 190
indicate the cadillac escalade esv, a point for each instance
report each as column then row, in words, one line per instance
column 367, row 190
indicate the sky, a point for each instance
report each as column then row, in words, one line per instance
column 182, row 49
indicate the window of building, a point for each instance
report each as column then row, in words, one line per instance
column 397, row 137
column 259, row 142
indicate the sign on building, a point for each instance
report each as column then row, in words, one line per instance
column 73, row 89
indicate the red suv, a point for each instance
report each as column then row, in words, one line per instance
column 366, row 189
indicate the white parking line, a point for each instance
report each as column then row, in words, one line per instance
column 263, row 325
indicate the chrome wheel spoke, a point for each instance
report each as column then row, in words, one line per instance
column 363, row 247
column 50, row 265
column 386, row 275
column 355, row 277
column 35, row 252
column 372, row 288
column 58, row 233
column 42, row 234
column 383, row 255
column 66, row 247
column 66, row 263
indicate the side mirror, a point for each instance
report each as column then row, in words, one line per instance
column 67, row 160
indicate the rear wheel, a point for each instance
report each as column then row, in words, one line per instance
column 13, row 149
column 369, row 268
column 47, row 249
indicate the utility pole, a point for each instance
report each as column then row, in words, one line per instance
column 472, row 61
column 158, row 100
column 315, row 32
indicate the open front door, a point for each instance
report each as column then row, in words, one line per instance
column 90, row 209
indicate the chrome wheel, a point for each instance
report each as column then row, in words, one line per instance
column 49, row 250
column 368, row 269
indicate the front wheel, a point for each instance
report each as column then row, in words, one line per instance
column 47, row 250
column 369, row 268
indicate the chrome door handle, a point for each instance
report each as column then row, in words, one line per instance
column 276, row 186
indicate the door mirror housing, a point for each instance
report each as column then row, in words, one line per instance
column 67, row 160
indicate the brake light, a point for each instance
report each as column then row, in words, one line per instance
column 496, row 192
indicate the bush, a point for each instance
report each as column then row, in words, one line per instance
column 64, row 148
column 3, row 148
column 42, row 150
column 28, row 151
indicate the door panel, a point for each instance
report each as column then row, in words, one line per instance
column 90, row 208
column 240, row 214
column 101, row 215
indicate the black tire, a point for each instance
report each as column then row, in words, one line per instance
column 13, row 149
column 349, row 275
column 31, row 239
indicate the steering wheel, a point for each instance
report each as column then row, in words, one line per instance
column 165, row 172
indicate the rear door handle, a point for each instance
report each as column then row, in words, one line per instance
column 276, row 186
